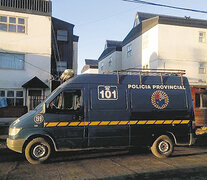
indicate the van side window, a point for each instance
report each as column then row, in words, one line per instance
column 67, row 101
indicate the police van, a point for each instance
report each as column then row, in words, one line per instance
column 125, row 109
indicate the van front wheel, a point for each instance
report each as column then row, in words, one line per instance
column 37, row 151
column 162, row 147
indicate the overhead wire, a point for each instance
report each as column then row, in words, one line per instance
column 167, row 6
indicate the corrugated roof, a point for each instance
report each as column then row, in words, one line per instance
column 91, row 62
column 112, row 43
column 110, row 47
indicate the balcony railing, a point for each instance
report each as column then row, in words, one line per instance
column 29, row 6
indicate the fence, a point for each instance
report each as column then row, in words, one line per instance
column 33, row 5
column 34, row 101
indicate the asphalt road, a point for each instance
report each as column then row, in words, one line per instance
column 186, row 163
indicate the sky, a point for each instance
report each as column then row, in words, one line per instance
column 99, row 20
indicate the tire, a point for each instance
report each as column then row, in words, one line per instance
column 162, row 147
column 37, row 151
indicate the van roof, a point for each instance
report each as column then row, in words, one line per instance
column 102, row 79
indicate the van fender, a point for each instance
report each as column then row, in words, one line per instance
column 173, row 137
column 167, row 133
column 42, row 134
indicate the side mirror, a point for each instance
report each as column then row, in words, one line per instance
column 43, row 109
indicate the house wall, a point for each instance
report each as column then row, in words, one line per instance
column 144, row 50
column 91, row 71
column 200, row 112
column 179, row 48
column 116, row 63
column 75, row 58
column 62, row 50
column 35, row 44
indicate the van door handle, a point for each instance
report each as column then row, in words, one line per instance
column 80, row 118
column 75, row 117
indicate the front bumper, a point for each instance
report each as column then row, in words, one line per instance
column 15, row 144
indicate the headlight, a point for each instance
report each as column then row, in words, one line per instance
column 14, row 131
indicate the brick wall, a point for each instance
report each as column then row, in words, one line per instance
column 200, row 114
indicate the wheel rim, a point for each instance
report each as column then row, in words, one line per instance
column 163, row 146
column 39, row 151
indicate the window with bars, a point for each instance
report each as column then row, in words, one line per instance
column 13, row 97
column 102, row 66
column 129, row 50
column 202, row 37
column 12, row 61
column 201, row 100
column 12, row 24
column 110, row 61
column 61, row 66
column 62, row 35
column 202, row 68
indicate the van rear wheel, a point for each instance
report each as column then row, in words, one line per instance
column 162, row 147
column 37, row 151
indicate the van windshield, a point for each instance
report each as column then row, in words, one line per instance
column 50, row 95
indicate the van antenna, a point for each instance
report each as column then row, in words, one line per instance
column 117, row 77
column 161, row 78
column 181, row 78
column 140, row 78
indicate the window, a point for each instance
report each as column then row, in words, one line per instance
column 62, row 35
column 2, row 93
column 110, row 61
column 129, row 50
column 102, row 66
column 13, row 97
column 61, row 66
column 12, row 24
column 202, row 37
column 202, row 69
column 145, row 67
column 201, row 100
column 11, row 61
column 67, row 101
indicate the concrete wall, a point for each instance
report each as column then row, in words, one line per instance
column 35, row 44
column 115, row 65
column 75, row 57
column 179, row 48
column 91, row 71
column 144, row 50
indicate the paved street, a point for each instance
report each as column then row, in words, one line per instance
column 186, row 163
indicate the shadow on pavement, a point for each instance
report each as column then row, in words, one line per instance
column 7, row 155
column 93, row 154
column 175, row 174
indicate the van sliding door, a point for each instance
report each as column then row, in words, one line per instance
column 108, row 116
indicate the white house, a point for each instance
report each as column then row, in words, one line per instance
column 25, row 50
column 110, row 59
column 168, row 42
column 90, row 67
column 158, row 41
column 35, row 48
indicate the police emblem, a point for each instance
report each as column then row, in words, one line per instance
column 38, row 119
column 160, row 99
